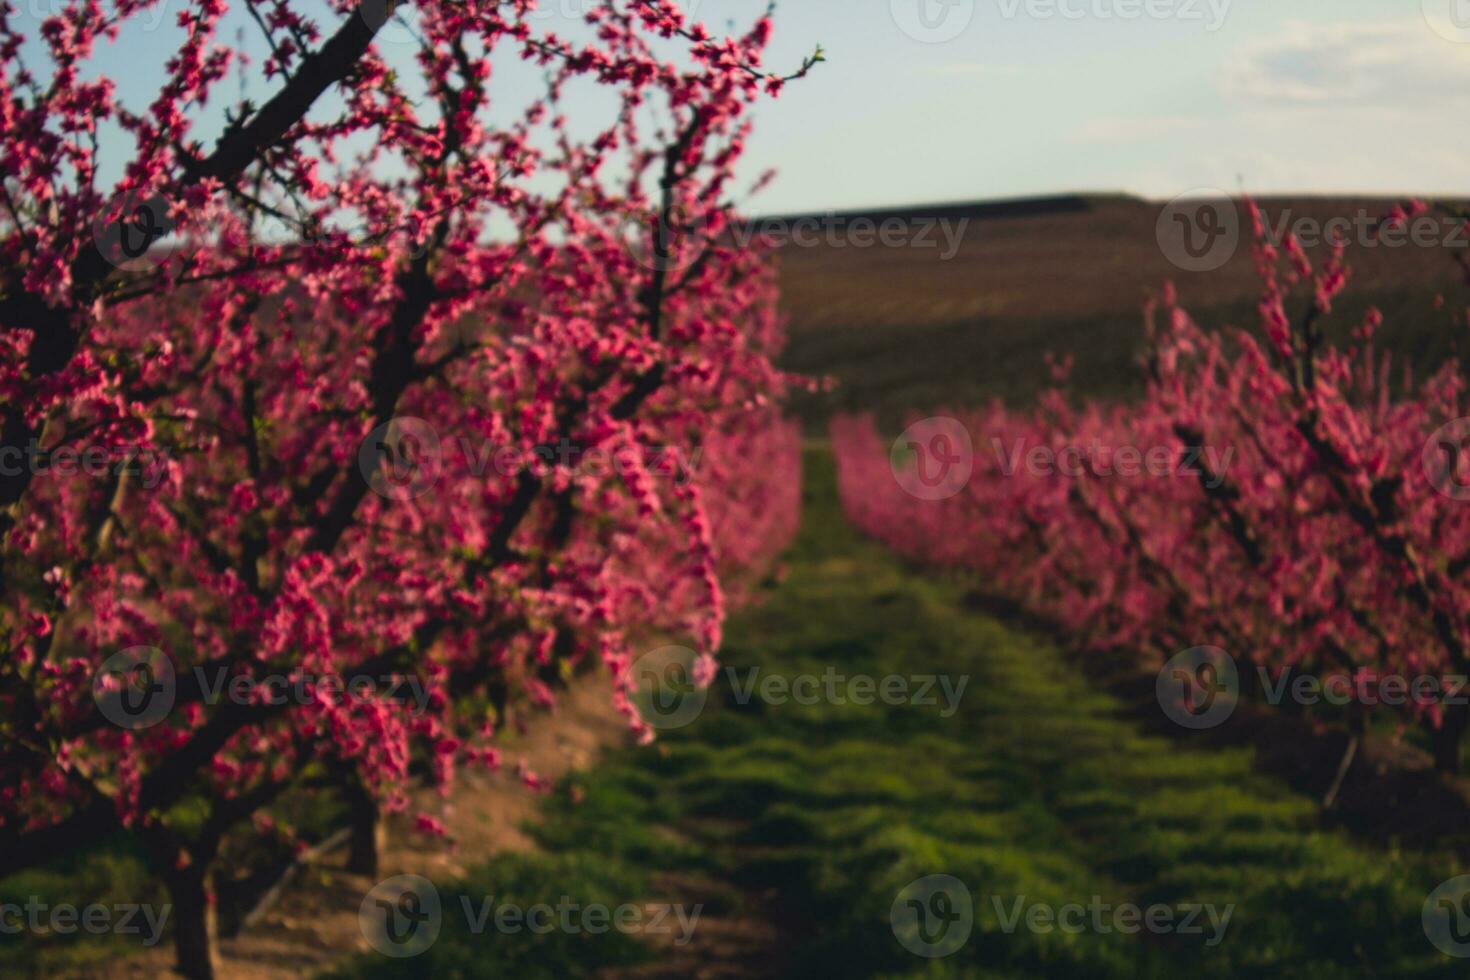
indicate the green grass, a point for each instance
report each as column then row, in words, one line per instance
column 114, row 872
column 1039, row 786
column 584, row 875
column 110, row 873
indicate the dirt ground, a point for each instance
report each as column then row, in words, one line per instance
column 315, row 923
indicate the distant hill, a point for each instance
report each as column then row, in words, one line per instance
column 968, row 317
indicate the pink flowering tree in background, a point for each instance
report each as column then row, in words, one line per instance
column 1305, row 510
column 367, row 388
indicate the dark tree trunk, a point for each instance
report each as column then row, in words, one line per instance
column 369, row 832
column 195, row 934
column 1447, row 738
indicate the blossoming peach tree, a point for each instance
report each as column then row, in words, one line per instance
column 1309, row 514
column 335, row 419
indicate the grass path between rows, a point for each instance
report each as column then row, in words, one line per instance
column 797, row 826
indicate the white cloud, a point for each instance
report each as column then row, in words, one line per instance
column 1308, row 153
column 1381, row 63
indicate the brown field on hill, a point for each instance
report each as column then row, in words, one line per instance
column 914, row 326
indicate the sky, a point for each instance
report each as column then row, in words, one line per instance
column 954, row 100
column 1264, row 95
